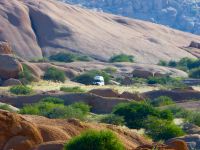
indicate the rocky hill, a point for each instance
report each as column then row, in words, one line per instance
column 38, row 28
column 179, row 14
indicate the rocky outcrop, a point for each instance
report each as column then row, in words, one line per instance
column 11, row 82
column 182, row 15
column 9, row 67
column 43, row 30
column 17, row 133
column 5, row 48
column 194, row 44
column 39, row 133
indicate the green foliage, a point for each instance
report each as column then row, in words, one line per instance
column 162, row 63
column 95, row 140
column 162, row 101
column 195, row 73
column 110, row 70
column 52, row 110
column 82, row 106
column 21, row 90
column 135, row 113
column 68, row 57
column 88, row 77
column 113, row 119
column 26, row 74
column 172, row 63
column 194, row 118
column 178, row 112
column 122, row 58
column 53, row 100
column 5, row 107
column 55, row 75
column 160, row 129
column 75, row 89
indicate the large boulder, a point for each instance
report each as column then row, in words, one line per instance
column 11, row 82
column 193, row 141
column 5, row 48
column 9, row 67
column 17, row 133
column 194, row 44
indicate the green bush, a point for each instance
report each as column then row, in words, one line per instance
column 72, row 89
column 55, row 75
column 178, row 112
column 53, row 100
column 159, row 129
column 68, row 57
column 135, row 113
column 88, row 77
column 195, row 73
column 122, row 58
column 172, row 63
column 52, row 110
column 110, row 70
column 162, row 63
column 26, row 74
column 194, row 118
column 21, row 90
column 5, row 107
column 95, row 140
column 162, row 101
column 113, row 119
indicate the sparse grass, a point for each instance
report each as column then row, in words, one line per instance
column 75, row 89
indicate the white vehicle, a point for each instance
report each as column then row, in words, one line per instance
column 99, row 80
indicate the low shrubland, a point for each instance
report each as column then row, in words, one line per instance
column 54, row 108
column 95, row 140
column 21, row 90
column 113, row 119
column 54, row 74
column 26, row 75
column 68, row 57
column 162, row 101
column 122, row 58
column 75, row 89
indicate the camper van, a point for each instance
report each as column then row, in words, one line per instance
column 99, row 80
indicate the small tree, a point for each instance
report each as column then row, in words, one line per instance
column 195, row 73
column 95, row 140
column 54, row 74
column 122, row 58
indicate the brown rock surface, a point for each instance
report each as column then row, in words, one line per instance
column 5, row 48
column 42, row 30
column 17, row 133
column 9, row 67
column 11, row 82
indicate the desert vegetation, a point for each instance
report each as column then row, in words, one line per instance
column 68, row 57
column 21, row 90
column 122, row 58
column 95, row 140
column 54, row 74
column 75, row 89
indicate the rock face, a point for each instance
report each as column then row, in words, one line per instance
column 179, row 14
column 43, row 30
column 39, row 133
column 9, row 67
column 11, row 82
column 195, row 44
column 17, row 133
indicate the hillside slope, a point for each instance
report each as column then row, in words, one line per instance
column 179, row 14
column 37, row 28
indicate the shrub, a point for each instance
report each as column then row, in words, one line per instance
column 162, row 63
column 55, row 75
column 21, row 90
column 178, row 112
column 110, row 70
column 53, row 100
column 5, row 107
column 68, row 57
column 122, row 58
column 82, row 106
column 159, row 129
column 194, row 118
column 51, row 110
column 195, row 73
column 172, row 63
column 95, row 140
column 113, row 119
column 26, row 74
column 162, row 101
column 135, row 113
column 88, row 77
column 72, row 89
